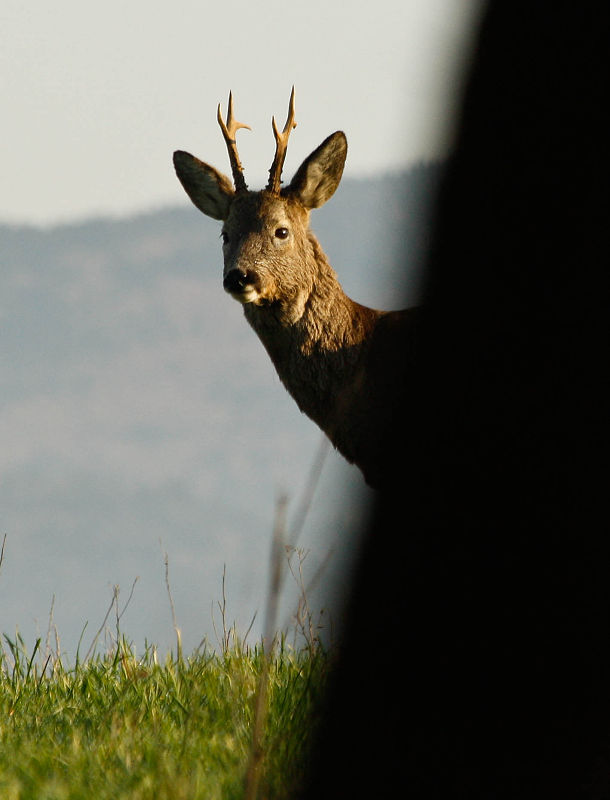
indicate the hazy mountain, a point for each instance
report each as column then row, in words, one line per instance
column 140, row 415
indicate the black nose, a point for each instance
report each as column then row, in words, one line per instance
column 235, row 281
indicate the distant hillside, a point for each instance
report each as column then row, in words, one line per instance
column 137, row 405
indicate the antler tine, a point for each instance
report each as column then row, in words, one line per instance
column 281, row 145
column 228, row 131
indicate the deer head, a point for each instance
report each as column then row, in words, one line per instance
column 266, row 245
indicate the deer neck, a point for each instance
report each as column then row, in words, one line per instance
column 317, row 341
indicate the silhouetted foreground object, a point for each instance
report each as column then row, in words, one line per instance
column 487, row 560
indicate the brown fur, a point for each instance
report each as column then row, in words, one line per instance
column 333, row 355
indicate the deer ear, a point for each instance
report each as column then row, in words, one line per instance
column 318, row 176
column 210, row 190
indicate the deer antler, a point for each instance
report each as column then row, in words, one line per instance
column 228, row 131
column 281, row 145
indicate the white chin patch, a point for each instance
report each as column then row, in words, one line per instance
column 249, row 295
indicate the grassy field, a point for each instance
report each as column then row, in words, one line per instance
column 234, row 721
column 122, row 726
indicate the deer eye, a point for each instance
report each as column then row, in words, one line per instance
column 281, row 233
column 225, row 237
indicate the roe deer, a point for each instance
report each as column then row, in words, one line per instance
column 340, row 360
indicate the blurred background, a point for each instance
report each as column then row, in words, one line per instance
column 141, row 421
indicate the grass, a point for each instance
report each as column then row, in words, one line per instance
column 221, row 724
column 232, row 722
column 122, row 726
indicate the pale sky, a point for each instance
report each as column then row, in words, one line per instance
column 96, row 96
